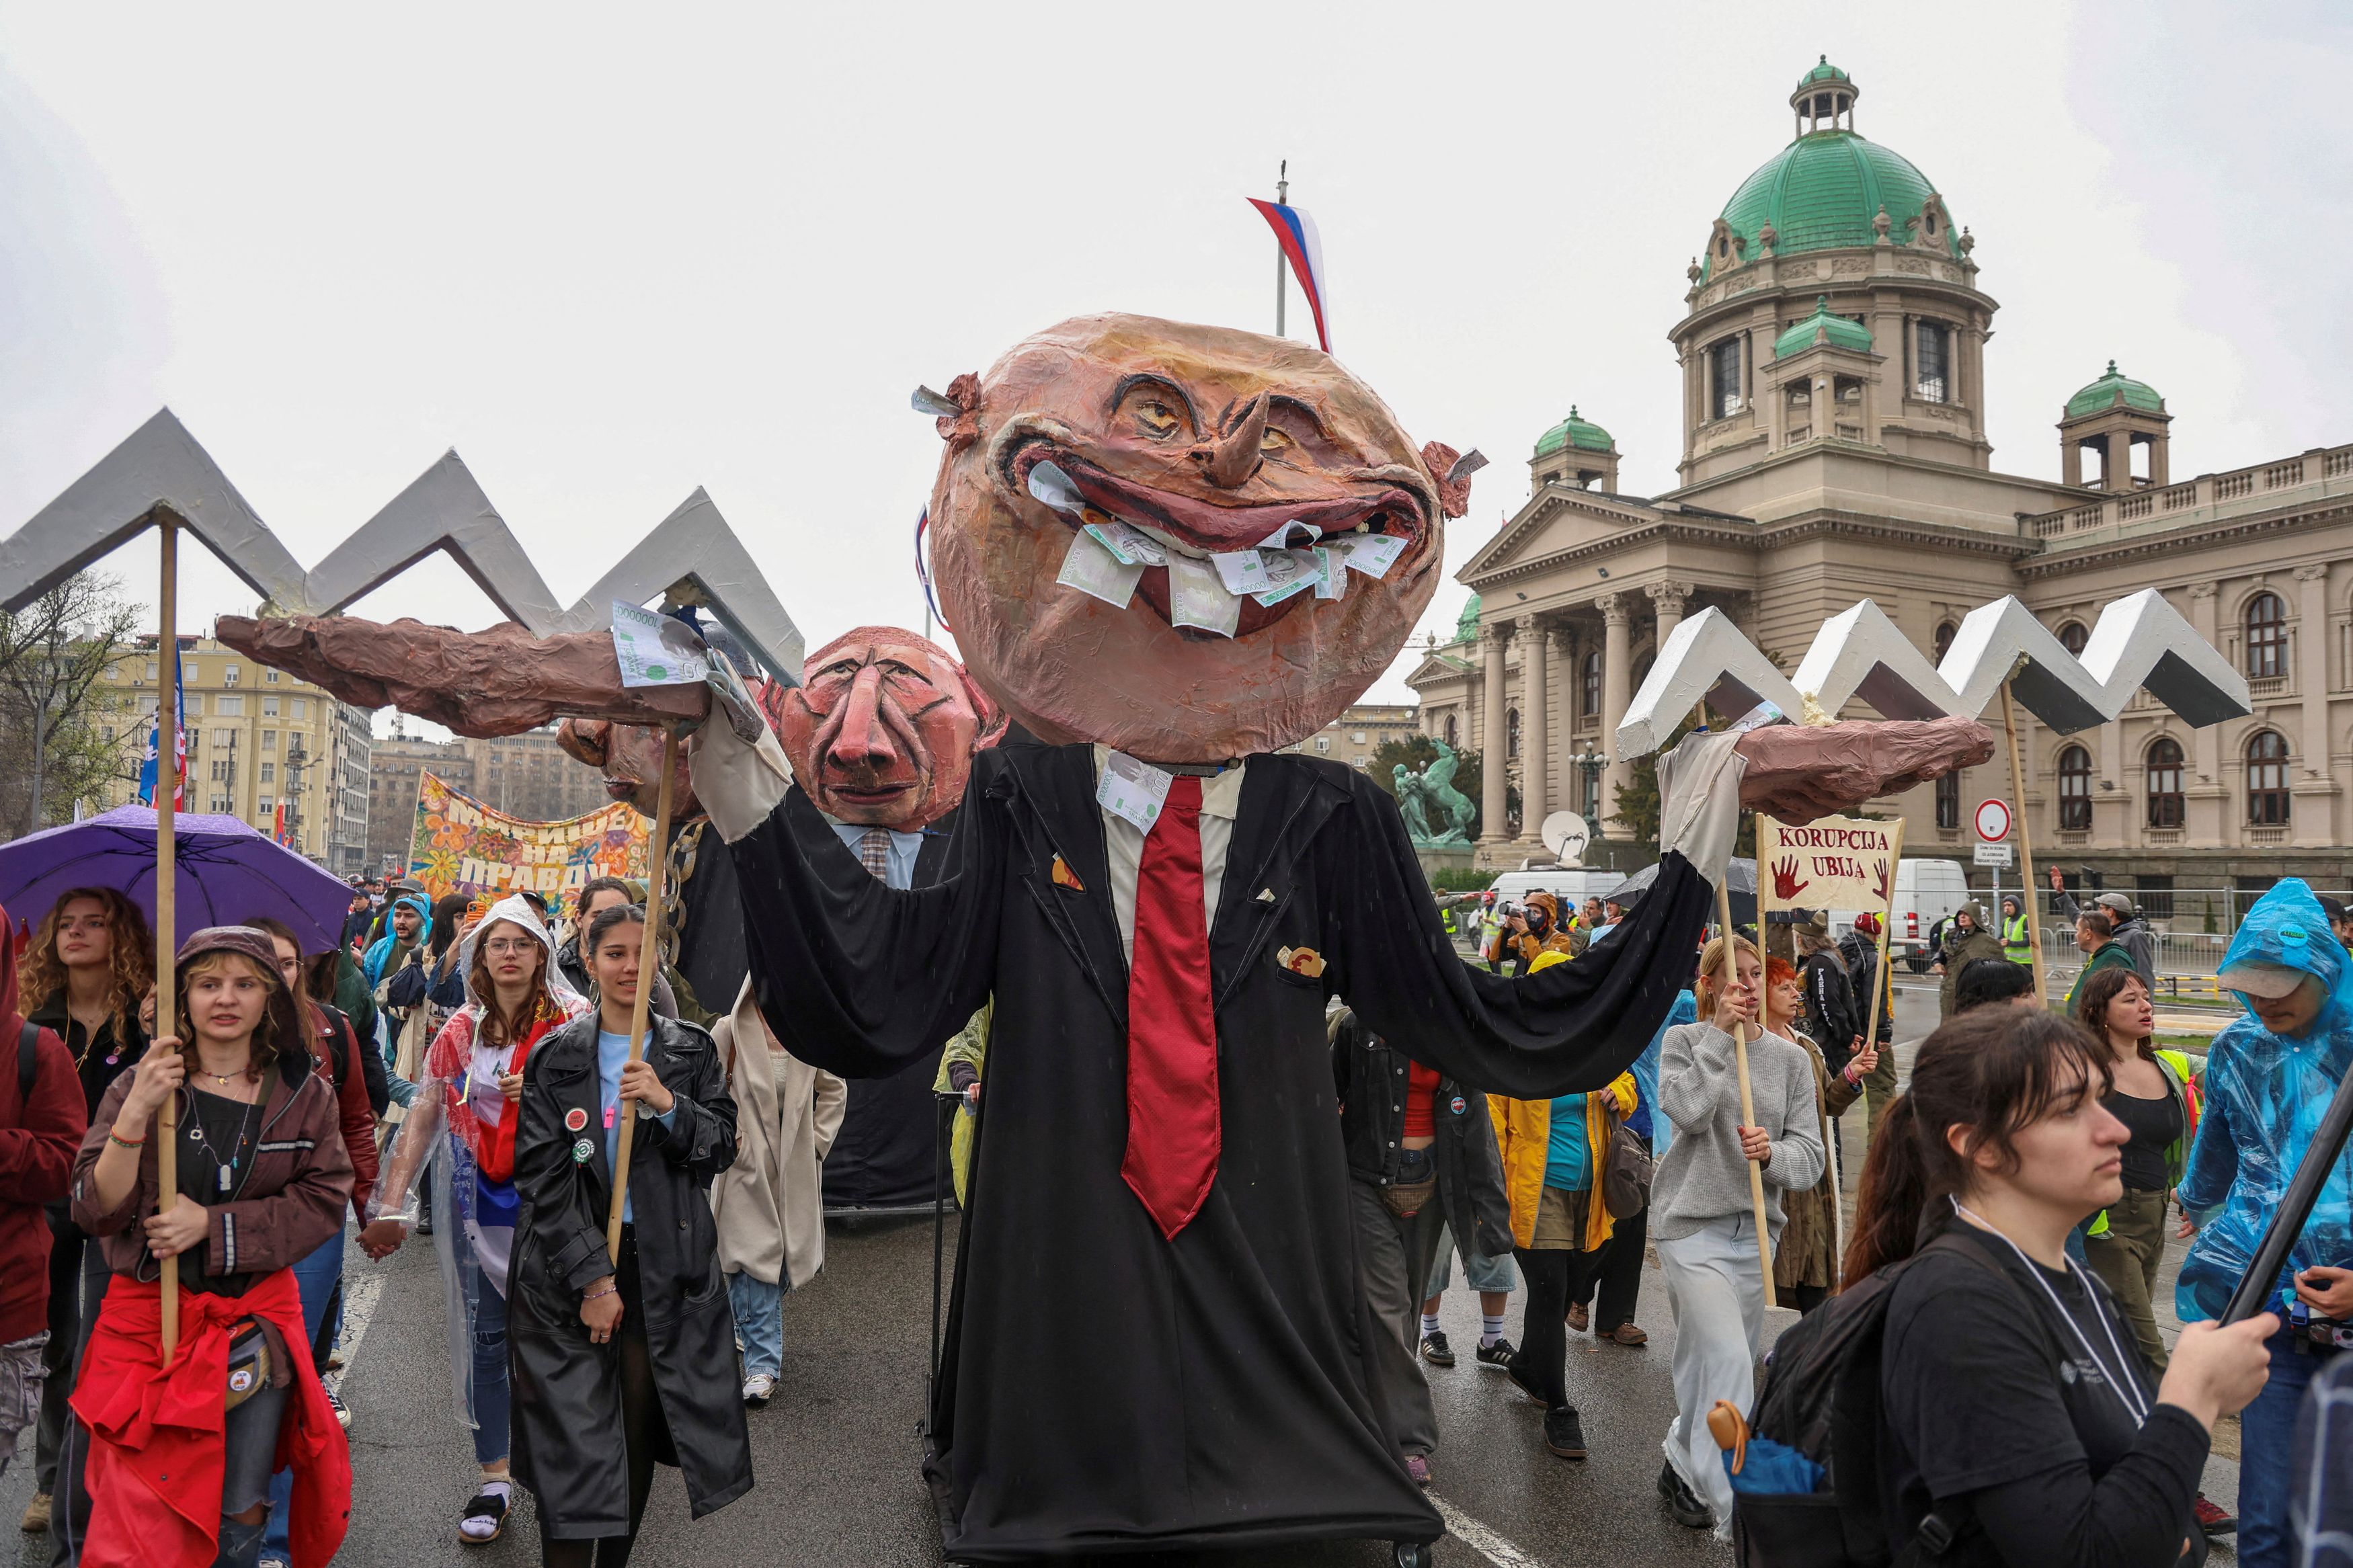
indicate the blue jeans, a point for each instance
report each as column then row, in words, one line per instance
column 759, row 1322
column 316, row 1275
column 2266, row 1451
column 490, row 1395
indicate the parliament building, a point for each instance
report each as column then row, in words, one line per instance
column 1832, row 348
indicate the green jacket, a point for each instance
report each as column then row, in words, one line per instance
column 2175, row 1065
column 1961, row 952
column 2112, row 955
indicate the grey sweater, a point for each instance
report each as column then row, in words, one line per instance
column 1702, row 1176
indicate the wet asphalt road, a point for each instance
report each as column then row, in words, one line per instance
column 836, row 1454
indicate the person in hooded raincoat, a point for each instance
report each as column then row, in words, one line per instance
column 2270, row 1077
column 1967, row 938
column 621, row 1359
column 472, row 1091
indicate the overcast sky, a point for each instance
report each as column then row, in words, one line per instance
column 612, row 254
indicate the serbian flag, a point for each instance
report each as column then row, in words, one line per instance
column 154, row 744
column 1295, row 232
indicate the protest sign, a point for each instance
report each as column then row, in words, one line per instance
column 1830, row 863
column 462, row 845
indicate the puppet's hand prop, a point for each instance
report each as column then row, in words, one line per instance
column 502, row 681
column 1797, row 772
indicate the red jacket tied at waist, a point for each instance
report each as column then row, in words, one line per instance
column 155, row 1459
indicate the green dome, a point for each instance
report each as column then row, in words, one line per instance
column 2103, row 393
column 1821, row 193
column 1842, row 332
column 1574, row 432
column 1823, row 72
column 1467, row 628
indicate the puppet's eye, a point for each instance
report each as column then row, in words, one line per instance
column 1154, row 418
column 1275, row 444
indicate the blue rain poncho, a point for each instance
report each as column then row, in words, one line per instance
column 2265, row 1094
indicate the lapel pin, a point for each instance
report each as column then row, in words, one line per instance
column 574, row 1120
column 1300, row 960
column 582, row 1151
column 1066, row 878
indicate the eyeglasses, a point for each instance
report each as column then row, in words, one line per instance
column 515, row 947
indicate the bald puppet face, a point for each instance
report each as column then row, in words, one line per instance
column 884, row 731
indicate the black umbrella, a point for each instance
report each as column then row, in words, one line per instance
column 1741, row 877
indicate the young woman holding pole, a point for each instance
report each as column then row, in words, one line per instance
column 265, row 1182
column 621, row 1357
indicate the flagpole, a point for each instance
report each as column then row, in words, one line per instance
column 167, row 754
column 1282, row 197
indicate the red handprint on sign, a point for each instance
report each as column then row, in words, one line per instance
column 1887, row 884
column 1786, row 885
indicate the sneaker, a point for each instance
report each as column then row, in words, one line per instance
column 37, row 1514
column 1578, row 1317
column 485, row 1516
column 1630, row 1334
column 342, row 1414
column 1520, row 1381
column 1418, row 1467
column 1564, row 1432
column 1435, row 1350
column 758, row 1389
column 1498, row 1354
column 2213, row 1518
column 1687, row 1509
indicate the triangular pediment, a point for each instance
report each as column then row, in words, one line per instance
column 1558, row 518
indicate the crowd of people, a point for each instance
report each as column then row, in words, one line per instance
column 464, row 1073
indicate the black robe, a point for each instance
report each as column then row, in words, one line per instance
column 1103, row 1389
column 883, row 1159
column 568, row 1390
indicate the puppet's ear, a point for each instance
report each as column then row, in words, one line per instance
column 1453, row 487
column 994, row 721
column 584, row 740
column 963, row 428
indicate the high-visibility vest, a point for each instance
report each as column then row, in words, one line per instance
column 2016, row 945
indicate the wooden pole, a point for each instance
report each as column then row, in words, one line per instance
column 1740, row 1047
column 1879, row 984
column 167, row 781
column 2025, row 847
column 648, row 967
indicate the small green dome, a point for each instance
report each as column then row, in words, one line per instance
column 1823, row 72
column 1823, row 192
column 1574, row 432
column 1466, row 629
column 1839, row 332
column 2104, row 393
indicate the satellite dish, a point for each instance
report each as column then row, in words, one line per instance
column 1565, row 834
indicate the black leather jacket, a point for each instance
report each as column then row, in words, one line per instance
column 1371, row 1080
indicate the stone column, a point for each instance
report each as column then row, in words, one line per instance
column 1617, row 691
column 1535, row 729
column 1560, row 646
column 1495, row 637
column 2314, row 812
column 1668, row 597
column 2205, row 796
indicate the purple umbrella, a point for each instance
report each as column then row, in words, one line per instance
column 228, row 873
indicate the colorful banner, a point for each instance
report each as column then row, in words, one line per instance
column 1830, row 863
column 462, row 845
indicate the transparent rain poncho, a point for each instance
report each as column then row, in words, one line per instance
column 2265, row 1094
column 457, row 1093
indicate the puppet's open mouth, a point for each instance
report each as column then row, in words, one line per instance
column 621, row 789
column 870, row 794
column 1190, row 535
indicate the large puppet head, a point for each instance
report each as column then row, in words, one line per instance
column 1210, row 442
column 884, row 728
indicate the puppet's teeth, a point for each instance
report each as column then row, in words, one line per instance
column 1091, row 568
column 1130, row 545
column 1289, row 572
column 1050, row 485
column 1197, row 598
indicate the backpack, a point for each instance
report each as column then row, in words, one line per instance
column 1821, row 1397
column 29, row 1062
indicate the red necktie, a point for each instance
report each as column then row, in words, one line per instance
column 1172, row 1035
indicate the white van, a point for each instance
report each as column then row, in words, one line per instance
column 1572, row 884
column 1926, row 891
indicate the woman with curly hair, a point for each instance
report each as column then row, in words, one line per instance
column 90, row 964
column 472, row 1089
column 263, row 1181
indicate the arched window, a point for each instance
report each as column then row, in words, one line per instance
column 1592, row 683
column 2165, row 782
column 2074, row 790
column 1948, row 802
column 1451, row 735
column 2267, row 797
column 1944, row 644
column 2073, row 636
column 1512, row 733
column 2266, row 637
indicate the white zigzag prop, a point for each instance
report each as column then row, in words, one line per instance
column 160, row 468
column 2139, row 641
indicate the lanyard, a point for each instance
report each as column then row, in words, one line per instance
column 2127, row 1392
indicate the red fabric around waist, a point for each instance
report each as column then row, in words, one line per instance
column 1420, row 1085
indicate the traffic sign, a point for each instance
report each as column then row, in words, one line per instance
column 1993, row 822
column 1994, row 855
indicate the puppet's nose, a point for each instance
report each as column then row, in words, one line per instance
column 1233, row 458
column 864, row 740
